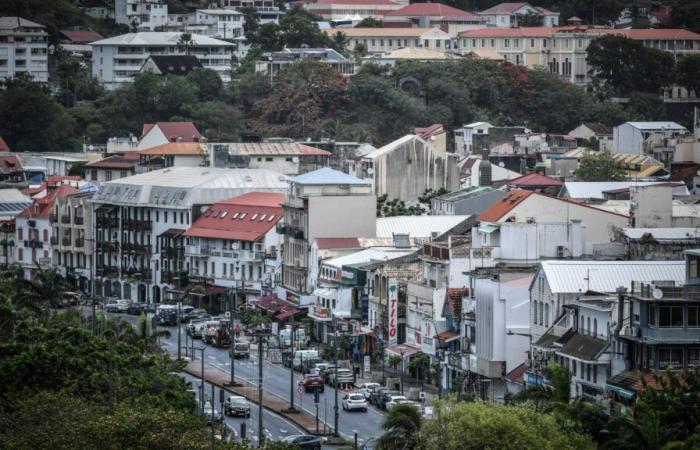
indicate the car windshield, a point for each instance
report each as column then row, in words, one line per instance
column 398, row 398
column 240, row 400
column 357, row 397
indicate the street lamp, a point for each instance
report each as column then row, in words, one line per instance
column 402, row 350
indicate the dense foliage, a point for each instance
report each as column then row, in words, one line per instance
column 600, row 166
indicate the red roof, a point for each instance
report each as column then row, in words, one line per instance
column 82, row 36
column 268, row 199
column 229, row 220
column 516, row 375
column 57, row 180
column 454, row 296
column 432, row 9
column 637, row 34
column 495, row 212
column 275, row 306
column 34, row 190
column 9, row 163
column 534, row 179
column 3, row 145
column 184, row 131
column 125, row 161
column 331, row 243
column 42, row 207
column 355, row 2
column 447, row 335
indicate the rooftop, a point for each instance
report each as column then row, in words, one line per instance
column 599, row 128
column 275, row 148
column 3, row 145
column 432, row 9
column 421, row 227
column 81, row 36
column 662, row 234
column 415, row 53
column 606, row 276
column 495, row 212
column 533, row 180
column 337, row 243
column 115, row 162
column 656, row 125
column 42, row 207
column 13, row 22
column 581, row 346
column 326, row 175
column 637, row 34
column 511, row 7
column 368, row 255
column 168, row 38
column 464, row 193
column 595, row 189
column 175, row 64
column 176, row 149
column 390, row 32
column 9, row 163
column 175, row 131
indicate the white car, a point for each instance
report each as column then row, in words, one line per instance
column 355, row 401
column 367, row 388
column 395, row 400
column 212, row 415
column 117, row 306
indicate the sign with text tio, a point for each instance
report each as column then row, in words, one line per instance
column 393, row 311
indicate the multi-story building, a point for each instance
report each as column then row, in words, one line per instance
column 267, row 10
column 436, row 15
column 72, row 239
column 507, row 15
column 271, row 63
column 134, row 214
column 141, row 14
column 341, row 9
column 289, row 158
column 23, row 49
column 33, row 231
column 655, row 139
column 223, row 24
column 383, row 40
column 322, row 203
column 465, row 202
column 235, row 243
column 119, row 59
column 112, row 167
column 562, row 50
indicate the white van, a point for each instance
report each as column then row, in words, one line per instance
column 286, row 337
column 302, row 356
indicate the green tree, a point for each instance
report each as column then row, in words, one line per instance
column 267, row 37
column 76, row 81
column 339, row 41
column 547, row 398
column 645, row 107
column 620, row 66
column 687, row 70
column 370, row 22
column 185, row 42
column 207, row 83
column 600, row 166
column 359, row 51
column 401, row 428
column 218, row 121
column 31, row 119
column 464, row 426
column 251, row 19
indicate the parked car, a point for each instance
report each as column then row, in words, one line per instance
column 193, row 314
column 240, row 350
column 213, row 415
column 386, row 397
column 341, row 378
column 313, row 382
column 355, row 401
column 236, row 405
column 326, row 373
column 394, row 400
column 135, row 308
column 304, row 442
column 117, row 306
column 195, row 328
column 367, row 388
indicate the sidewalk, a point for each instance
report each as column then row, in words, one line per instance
column 248, row 390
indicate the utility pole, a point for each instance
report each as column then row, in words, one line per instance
column 291, row 372
column 213, row 440
column 232, row 339
column 335, row 362
column 261, row 434
column 179, row 329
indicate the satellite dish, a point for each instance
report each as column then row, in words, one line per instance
column 657, row 293
column 501, row 164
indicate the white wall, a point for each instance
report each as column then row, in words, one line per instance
column 627, row 139
column 342, row 216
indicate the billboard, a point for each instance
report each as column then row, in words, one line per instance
column 393, row 311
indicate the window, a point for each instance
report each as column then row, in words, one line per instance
column 532, row 43
column 582, row 325
column 588, row 372
column 595, row 374
column 573, row 367
column 535, row 311
column 93, row 175
column 670, row 358
column 268, row 159
column 670, row 316
column 693, row 316
column 122, row 174
column 20, row 254
column 546, row 314
column 20, row 232
column 693, row 357
column 493, row 43
column 46, row 235
column 243, row 216
column 182, row 218
column 693, row 268
column 108, row 175
column 588, row 325
column 652, row 315
column 595, row 327
column 506, row 43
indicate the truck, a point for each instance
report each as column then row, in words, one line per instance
column 217, row 333
column 240, row 350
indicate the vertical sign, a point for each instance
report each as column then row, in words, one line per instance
column 367, row 367
column 393, row 312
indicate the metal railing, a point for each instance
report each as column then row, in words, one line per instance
column 663, row 292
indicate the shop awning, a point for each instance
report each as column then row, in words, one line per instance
column 624, row 393
column 326, row 293
column 447, row 336
column 172, row 232
column 407, row 350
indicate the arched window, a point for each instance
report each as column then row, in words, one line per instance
column 588, row 325
column 582, row 325
column 595, row 327
column 541, row 313
column 535, row 313
column 546, row 314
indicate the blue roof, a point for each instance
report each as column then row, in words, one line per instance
column 326, row 175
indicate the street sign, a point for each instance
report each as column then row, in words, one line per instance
column 393, row 311
column 300, row 389
column 367, row 367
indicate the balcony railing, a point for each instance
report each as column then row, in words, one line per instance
column 65, row 218
column 106, row 271
column 108, row 246
column 137, row 273
column 107, row 222
column 659, row 292
column 66, row 241
column 79, row 220
column 80, row 243
column 172, row 252
column 248, row 255
column 53, row 218
column 136, row 225
column 196, row 250
column 34, row 243
column 291, row 231
column 54, row 240
column 136, row 248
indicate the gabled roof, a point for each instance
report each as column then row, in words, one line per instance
column 9, row 163
column 12, row 22
column 175, row 64
column 176, row 148
column 267, row 199
column 58, row 180
column 663, row 125
column 326, row 175
column 160, row 38
column 495, row 212
column 595, row 189
column 389, row 32
column 275, row 148
column 3, row 145
column 174, row 131
column 504, row 8
column 337, row 243
column 42, row 207
column 599, row 128
column 432, row 9
column 241, row 222
column 115, row 162
column 581, row 346
column 535, row 179
column 357, row 2
column 81, row 36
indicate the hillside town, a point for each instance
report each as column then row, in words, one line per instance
column 353, row 215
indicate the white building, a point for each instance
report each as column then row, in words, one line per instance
column 655, row 139
column 507, row 15
column 23, row 49
column 136, row 216
column 464, row 137
column 219, row 23
column 118, row 59
column 289, row 158
column 141, row 14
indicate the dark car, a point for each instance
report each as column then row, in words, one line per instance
column 135, row 309
column 167, row 317
column 193, row 314
column 386, row 397
column 377, row 394
column 304, row 442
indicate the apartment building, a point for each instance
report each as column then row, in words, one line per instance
column 507, row 15
column 112, row 167
column 23, row 49
column 288, row 158
column 72, row 239
column 119, row 59
column 322, row 203
column 562, row 50
column 271, row 63
column 655, row 139
column 384, row 40
column 268, row 11
column 341, row 9
column 218, row 23
column 133, row 215
column 141, row 14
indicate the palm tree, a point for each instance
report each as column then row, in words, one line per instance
column 339, row 42
column 44, row 288
column 401, row 428
column 185, row 42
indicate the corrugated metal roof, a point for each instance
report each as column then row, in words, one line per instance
column 663, row 233
column 667, row 125
column 595, row 189
column 274, row 148
column 326, row 175
column 368, row 255
column 606, row 276
column 168, row 38
column 417, row 226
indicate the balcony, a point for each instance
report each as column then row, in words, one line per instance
column 248, row 255
column 65, row 218
column 291, row 231
column 54, row 240
column 143, row 274
column 34, row 243
column 133, row 247
column 172, row 253
column 196, row 250
column 78, row 220
column 108, row 246
column 105, row 271
column 436, row 252
column 53, row 218
column 655, row 292
column 107, row 222
column 66, row 241
column 79, row 243
column 136, row 225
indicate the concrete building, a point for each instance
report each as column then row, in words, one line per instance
column 436, row 15
column 112, row 168
column 562, row 50
column 406, row 168
column 475, row 171
column 234, row 243
column 141, row 14
column 175, row 154
column 411, row 54
column 655, row 139
column 118, row 59
column 655, row 244
column 72, row 239
column 23, row 49
column 221, row 23
column 638, row 167
column 508, row 15
column 159, row 133
column 385, row 40
column 465, row 202
column 322, row 203
column 133, row 215
column 589, row 132
column 271, row 63
column 595, row 191
column 464, row 140
column 288, row 158
column 341, row 9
